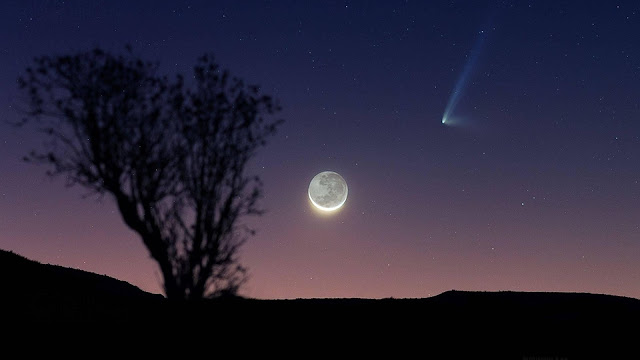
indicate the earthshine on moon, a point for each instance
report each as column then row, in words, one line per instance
column 328, row 191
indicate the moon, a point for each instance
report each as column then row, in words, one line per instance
column 328, row 191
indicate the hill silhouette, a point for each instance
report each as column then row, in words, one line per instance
column 43, row 292
column 533, row 322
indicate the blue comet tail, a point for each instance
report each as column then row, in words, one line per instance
column 462, row 80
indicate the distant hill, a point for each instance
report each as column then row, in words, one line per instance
column 43, row 292
column 535, row 323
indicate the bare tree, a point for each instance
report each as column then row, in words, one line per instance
column 173, row 157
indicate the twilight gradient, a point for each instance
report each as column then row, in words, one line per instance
column 537, row 190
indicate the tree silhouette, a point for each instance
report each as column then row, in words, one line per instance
column 174, row 157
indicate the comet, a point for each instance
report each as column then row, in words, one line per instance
column 461, row 84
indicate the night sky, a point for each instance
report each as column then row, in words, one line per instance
column 532, row 184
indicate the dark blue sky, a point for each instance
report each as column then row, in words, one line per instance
column 533, row 186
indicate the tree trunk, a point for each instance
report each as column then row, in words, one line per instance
column 152, row 242
column 171, row 288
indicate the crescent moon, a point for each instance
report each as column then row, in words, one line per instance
column 328, row 191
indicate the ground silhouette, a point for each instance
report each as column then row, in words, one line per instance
column 43, row 292
column 533, row 324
